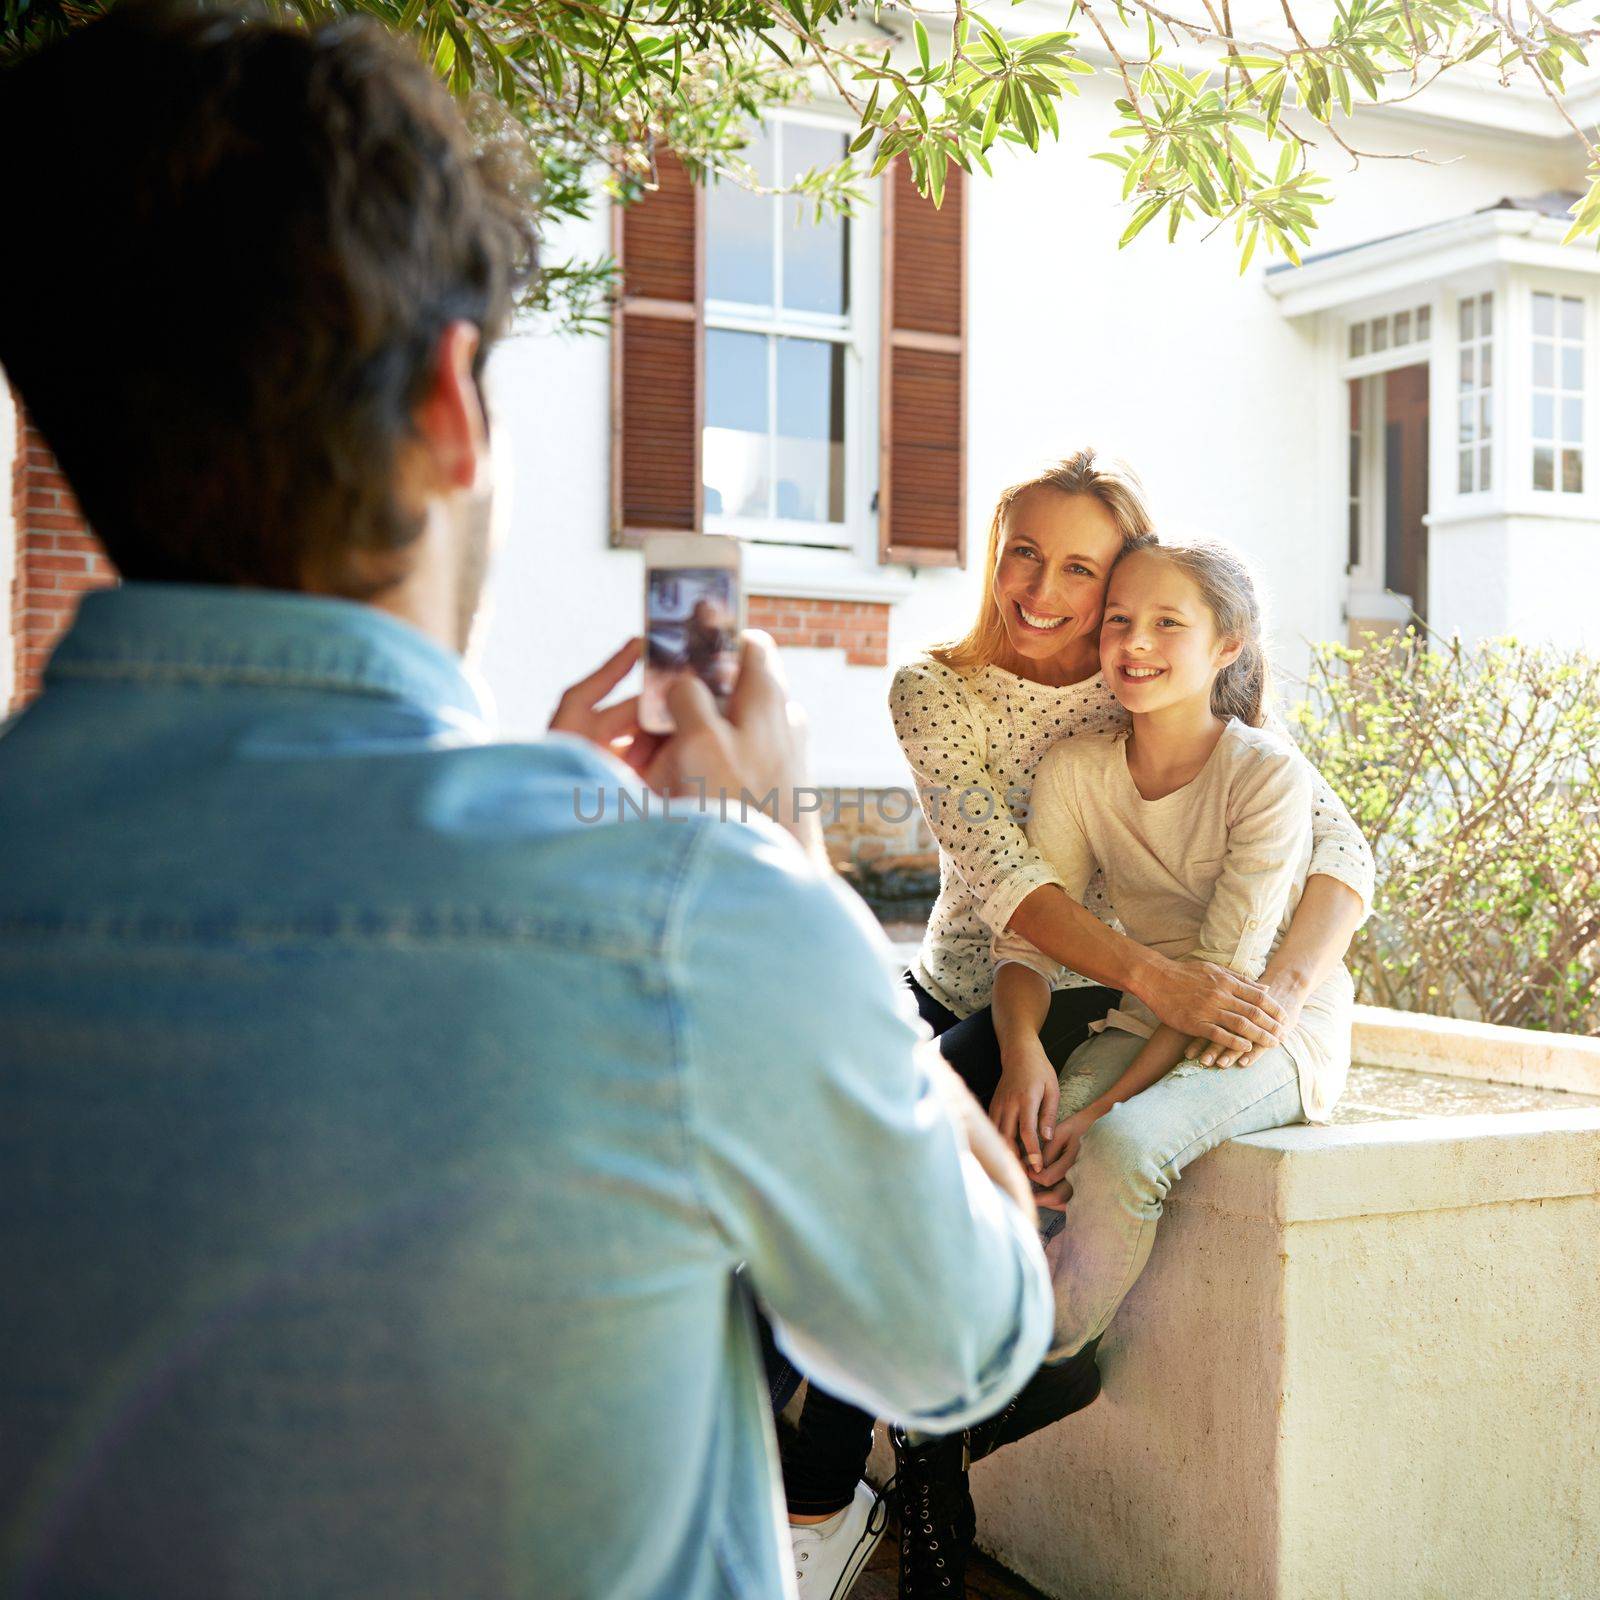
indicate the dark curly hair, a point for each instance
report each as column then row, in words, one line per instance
column 241, row 243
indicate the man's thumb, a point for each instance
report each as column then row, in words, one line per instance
column 690, row 703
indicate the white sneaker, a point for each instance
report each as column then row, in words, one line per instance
column 829, row 1556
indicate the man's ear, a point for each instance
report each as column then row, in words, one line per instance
column 452, row 430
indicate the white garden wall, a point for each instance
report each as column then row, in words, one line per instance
column 1363, row 1362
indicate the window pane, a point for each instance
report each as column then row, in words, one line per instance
column 739, row 233
column 1467, row 308
column 1544, row 416
column 1358, row 338
column 1380, row 333
column 1485, row 365
column 1424, row 321
column 1467, row 370
column 1464, row 479
column 1544, row 314
column 816, row 255
column 1483, row 416
column 1466, row 422
column 1544, row 467
column 1402, row 327
column 1483, row 467
column 1571, row 318
column 1572, row 421
column 1572, row 367
column 1544, row 365
column 810, row 445
column 1485, row 314
column 1572, row 471
column 736, row 435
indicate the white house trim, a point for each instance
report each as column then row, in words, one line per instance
column 818, row 573
column 1424, row 256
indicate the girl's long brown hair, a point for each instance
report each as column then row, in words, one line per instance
column 1113, row 483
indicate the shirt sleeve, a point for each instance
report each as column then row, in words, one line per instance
column 1339, row 849
column 1055, row 829
column 893, row 1270
column 966, row 807
column 1269, row 834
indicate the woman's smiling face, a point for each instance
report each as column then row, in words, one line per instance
column 1056, row 552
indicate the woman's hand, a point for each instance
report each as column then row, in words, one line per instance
column 1287, row 992
column 1024, row 1104
column 1203, row 1000
column 1052, row 1191
column 615, row 729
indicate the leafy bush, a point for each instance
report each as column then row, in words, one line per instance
column 1474, row 770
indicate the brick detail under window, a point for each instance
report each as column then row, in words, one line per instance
column 859, row 628
column 57, row 558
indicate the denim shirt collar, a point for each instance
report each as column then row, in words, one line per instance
column 192, row 633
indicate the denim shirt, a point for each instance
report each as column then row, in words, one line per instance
column 379, row 1141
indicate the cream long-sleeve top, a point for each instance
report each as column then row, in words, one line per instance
column 973, row 741
column 1211, row 872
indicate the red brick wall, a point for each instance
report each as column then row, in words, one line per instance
column 57, row 558
column 859, row 628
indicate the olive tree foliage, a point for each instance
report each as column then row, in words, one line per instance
column 1474, row 770
column 1220, row 121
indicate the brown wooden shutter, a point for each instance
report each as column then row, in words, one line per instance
column 923, row 389
column 657, row 360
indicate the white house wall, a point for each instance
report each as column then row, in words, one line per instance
column 1160, row 353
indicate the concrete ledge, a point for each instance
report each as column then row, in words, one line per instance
column 1363, row 1364
column 1481, row 1050
column 1304, row 1174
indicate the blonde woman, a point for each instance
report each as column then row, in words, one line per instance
column 974, row 718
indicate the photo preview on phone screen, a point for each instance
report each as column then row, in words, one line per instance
column 692, row 621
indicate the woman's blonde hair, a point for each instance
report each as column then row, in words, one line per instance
column 1228, row 588
column 1113, row 483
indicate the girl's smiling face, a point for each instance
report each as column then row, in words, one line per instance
column 1159, row 643
column 1050, row 573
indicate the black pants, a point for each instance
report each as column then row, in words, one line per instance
column 827, row 1457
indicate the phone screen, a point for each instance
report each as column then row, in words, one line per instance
column 691, row 625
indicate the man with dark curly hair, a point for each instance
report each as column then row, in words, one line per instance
column 389, row 1157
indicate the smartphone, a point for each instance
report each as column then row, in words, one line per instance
column 693, row 614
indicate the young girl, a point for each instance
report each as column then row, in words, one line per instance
column 1200, row 821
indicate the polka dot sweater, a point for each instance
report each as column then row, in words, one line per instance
column 974, row 741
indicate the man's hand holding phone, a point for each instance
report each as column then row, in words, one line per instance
column 740, row 761
column 614, row 728
column 756, row 751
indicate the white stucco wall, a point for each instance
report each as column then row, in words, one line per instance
column 1532, row 577
column 1161, row 353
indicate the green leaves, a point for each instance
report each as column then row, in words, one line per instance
column 1225, row 130
column 1585, row 213
column 1474, row 771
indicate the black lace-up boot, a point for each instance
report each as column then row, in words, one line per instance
column 937, row 1521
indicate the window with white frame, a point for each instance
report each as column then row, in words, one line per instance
column 1394, row 331
column 1353, row 557
column 1557, row 392
column 781, row 330
column 1475, row 393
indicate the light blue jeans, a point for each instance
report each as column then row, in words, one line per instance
column 1130, row 1159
